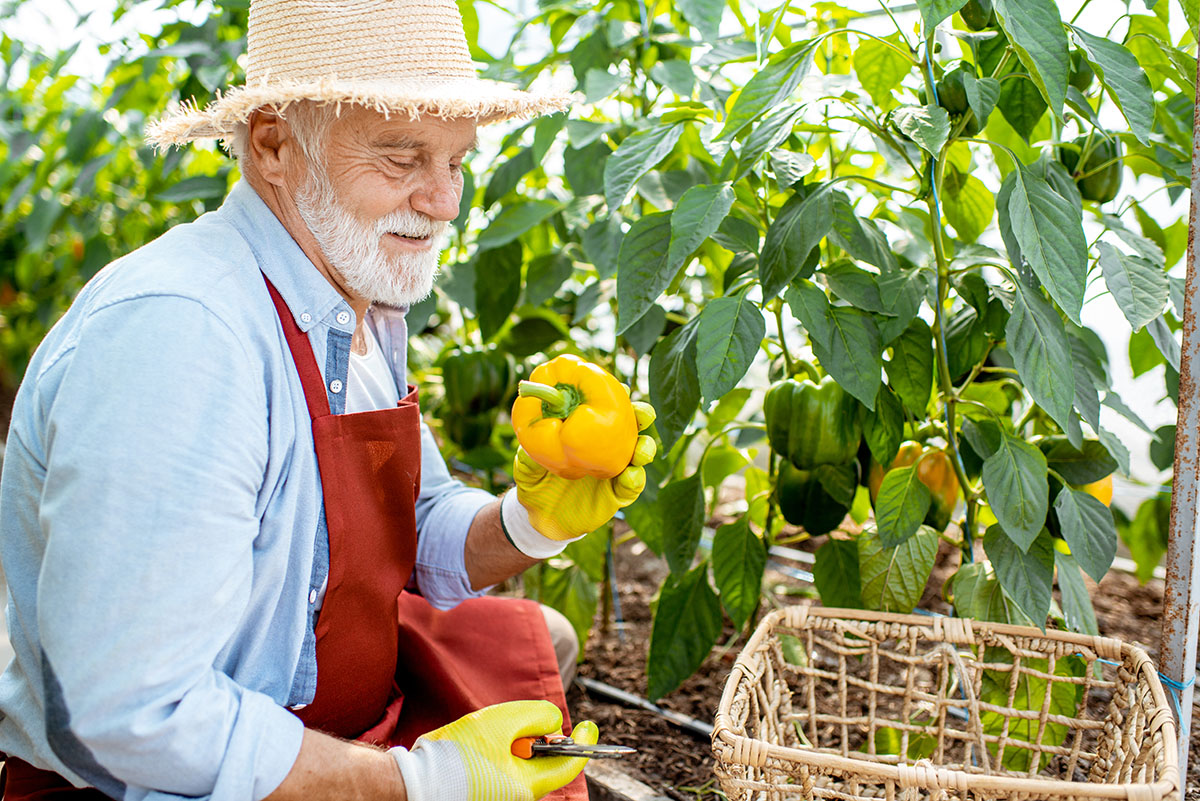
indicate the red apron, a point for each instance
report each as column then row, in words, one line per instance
column 389, row 666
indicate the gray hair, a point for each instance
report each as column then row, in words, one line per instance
column 309, row 122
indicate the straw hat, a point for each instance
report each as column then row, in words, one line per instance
column 404, row 56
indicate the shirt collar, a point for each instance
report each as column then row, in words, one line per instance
column 309, row 296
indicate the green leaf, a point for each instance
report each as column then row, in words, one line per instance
column 1049, row 231
column 845, row 340
column 928, row 126
column 766, row 136
column 636, row 156
column 1083, row 465
column 198, row 187
column 602, row 245
column 705, row 15
column 1023, row 107
column 643, row 271
column 835, row 572
column 862, row 239
column 799, row 227
column 569, row 590
column 584, row 168
column 855, row 285
column 590, row 554
column 687, row 623
column 968, row 205
column 642, row 335
column 1015, row 480
column 910, row 370
column 720, row 463
column 1165, row 341
column 900, row 506
column 982, row 94
column 731, row 331
column 893, row 579
column 1037, row 342
column 507, row 176
column 739, row 558
column 681, row 507
column 498, row 282
column 934, row 11
column 1146, row 535
column 695, row 218
column 770, row 87
column 514, row 221
column 1088, row 527
column 1124, row 78
column 675, row 74
column 1028, row 692
column 884, row 429
column 880, row 68
column 1025, row 573
column 1035, row 29
column 1076, row 602
column 978, row 595
column 674, row 384
column 39, row 223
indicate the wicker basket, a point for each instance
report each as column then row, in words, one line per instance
column 819, row 697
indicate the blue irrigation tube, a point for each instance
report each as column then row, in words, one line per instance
column 1181, row 602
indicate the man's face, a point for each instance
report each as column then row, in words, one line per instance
column 380, row 199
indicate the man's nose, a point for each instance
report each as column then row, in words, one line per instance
column 438, row 197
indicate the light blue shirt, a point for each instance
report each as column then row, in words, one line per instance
column 161, row 521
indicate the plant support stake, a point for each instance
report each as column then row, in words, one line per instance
column 1181, row 602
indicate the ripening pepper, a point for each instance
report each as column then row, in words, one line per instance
column 573, row 418
column 978, row 15
column 812, row 424
column 1099, row 177
column 935, row 471
column 805, row 502
column 476, row 381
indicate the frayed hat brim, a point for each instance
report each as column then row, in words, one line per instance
column 485, row 101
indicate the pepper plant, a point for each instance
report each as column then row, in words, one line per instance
column 845, row 253
column 824, row 241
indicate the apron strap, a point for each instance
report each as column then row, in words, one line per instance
column 302, row 356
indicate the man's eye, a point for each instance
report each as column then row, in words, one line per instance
column 404, row 165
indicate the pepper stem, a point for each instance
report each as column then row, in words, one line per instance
column 557, row 401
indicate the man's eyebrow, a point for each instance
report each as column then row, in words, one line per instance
column 404, row 142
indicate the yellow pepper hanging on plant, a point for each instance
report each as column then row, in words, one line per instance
column 573, row 418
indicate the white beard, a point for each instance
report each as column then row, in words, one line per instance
column 355, row 249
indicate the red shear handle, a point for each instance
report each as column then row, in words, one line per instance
column 523, row 746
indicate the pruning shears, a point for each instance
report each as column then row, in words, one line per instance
column 559, row 745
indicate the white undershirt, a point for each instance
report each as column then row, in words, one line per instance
column 369, row 386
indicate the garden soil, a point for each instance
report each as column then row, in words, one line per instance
column 678, row 764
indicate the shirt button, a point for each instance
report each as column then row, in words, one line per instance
column 312, row 597
column 343, row 317
column 297, row 707
column 306, row 317
column 335, row 386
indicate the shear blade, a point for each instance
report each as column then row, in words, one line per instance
column 578, row 750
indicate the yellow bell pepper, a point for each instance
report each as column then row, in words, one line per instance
column 573, row 418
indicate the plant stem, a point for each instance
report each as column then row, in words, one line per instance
column 787, row 357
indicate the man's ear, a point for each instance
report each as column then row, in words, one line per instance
column 275, row 152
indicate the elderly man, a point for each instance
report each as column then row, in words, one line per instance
column 216, row 474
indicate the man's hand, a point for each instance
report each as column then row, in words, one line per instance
column 562, row 509
column 471, row 759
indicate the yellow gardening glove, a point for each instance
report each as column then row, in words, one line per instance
column 563, row 509
column 471, row 759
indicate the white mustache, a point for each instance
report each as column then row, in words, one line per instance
column 410, row 224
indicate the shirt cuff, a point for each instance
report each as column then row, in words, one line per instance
column 514, row 519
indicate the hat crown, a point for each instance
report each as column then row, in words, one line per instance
column 356, row 40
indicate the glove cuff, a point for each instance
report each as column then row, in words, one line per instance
column 514, row 519
column 432, row 771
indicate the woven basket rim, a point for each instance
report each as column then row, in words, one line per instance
column 906, row 774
